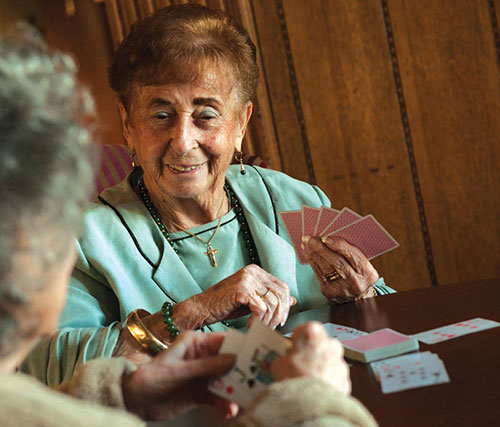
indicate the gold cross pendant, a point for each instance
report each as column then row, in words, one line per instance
column 211, row 255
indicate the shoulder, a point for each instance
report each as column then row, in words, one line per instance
column 35, row 404
column 285, row 191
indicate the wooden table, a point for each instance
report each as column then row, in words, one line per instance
column 472, row 398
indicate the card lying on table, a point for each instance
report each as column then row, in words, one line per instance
column 379, row 345
column 456, row 330
column 410, row 371
column 255, row 353
column 340, row 332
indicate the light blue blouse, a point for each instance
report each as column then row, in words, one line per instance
column 124, row 262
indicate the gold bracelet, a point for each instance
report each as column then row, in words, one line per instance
column 142, row 334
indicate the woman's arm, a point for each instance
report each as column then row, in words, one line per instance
column 89, row 328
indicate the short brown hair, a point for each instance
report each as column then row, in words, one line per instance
column 162, row 47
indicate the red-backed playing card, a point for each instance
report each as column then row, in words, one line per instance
column 293, row 225
column 345, row 217
column 325, row 218
column 368, row 236
column 309, row 219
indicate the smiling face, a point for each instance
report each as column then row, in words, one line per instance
column 184, row 135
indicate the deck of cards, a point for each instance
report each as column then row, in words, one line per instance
column 410, row 371
column 363, row 232
column 378, row 345
column 255, row 352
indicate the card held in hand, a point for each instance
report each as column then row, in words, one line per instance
column 254, row 356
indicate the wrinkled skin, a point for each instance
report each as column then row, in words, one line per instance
column 314, row 354
column 357, row 274
column 175, row 381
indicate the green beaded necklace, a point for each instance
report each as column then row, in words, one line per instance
column 240, row 216
column 235, row 204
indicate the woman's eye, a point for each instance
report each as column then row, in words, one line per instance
column 163, row 115
column 207, row 115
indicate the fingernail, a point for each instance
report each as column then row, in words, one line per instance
column 293, row 300
column 305, row 239
column 324, row 239
column 302, row 246
column 282, row 324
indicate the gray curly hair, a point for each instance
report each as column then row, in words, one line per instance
column 46, row 165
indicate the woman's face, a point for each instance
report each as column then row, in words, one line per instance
column 184, row 135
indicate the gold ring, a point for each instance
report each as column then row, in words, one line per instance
column 263, row 296
column 330, row 277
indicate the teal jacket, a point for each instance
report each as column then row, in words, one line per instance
column 124, row 263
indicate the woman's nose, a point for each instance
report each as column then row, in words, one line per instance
column 185, row 136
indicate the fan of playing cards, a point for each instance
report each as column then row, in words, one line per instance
column 363, row 232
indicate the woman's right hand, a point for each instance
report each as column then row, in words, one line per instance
column 250, row 290
column 314, row 354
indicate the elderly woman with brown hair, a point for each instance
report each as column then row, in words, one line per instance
column 187, row 237
column 45, row 177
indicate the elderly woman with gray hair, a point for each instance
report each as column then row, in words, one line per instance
column 45, row 176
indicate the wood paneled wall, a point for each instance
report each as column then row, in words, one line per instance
column 392, row 107
column 398, row 109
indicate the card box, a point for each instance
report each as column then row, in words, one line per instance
column 379, row 345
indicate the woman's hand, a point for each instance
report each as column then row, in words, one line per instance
column 249, row 290
column 334, row 254
column 176, row 379
column 316, row 355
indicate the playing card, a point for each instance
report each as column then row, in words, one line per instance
column 339, row 332
column 325, row 218
column 255, row 353
column 309, row 219
column 368, row 236
column 261, row 348
column 342, row 333
column 293, row 225
column 456, row 330
column 345, row 217
column 386, row 365
column 412, row 372
column 228, row 385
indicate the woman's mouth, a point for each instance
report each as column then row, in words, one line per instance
column 184, row 168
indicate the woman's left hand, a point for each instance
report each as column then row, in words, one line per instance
column 335, row 255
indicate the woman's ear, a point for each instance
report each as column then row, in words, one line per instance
column 243, row 120
column 126, row 126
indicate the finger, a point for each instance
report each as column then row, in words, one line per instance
column 309, row 334
column 204, row 345
column 282, row 292
column 274, row 312
column 329, row 261
column 280, row 297
column 258, row 308
column 352, row 254
column 177, row 350
column 337, row 291
column 207, row 367
column 226, row 409
column 192, row 345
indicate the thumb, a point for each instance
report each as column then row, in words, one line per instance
column 212, row 366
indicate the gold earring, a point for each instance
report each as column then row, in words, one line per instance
column 133, row 159
column 239, row 158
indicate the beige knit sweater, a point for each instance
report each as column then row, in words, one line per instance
column 300, row 402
